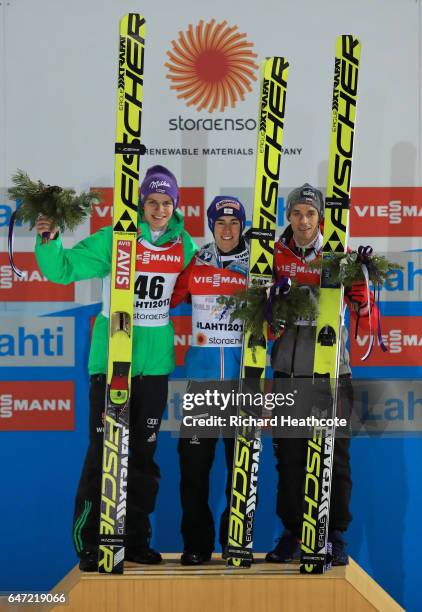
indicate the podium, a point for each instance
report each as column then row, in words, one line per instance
column 212, row 587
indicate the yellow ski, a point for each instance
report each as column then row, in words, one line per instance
column 274, row 73
column 125, row 221
column 336, row 225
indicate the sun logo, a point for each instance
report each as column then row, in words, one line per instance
column 201, row 339
column 211, row 66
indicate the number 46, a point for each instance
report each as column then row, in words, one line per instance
column 155, row 289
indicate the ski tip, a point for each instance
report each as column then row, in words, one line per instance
column 275, row 68
column 276, row 59
column 349, row 43
column 132, row 24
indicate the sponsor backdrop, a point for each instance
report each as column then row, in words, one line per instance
column 201, row 87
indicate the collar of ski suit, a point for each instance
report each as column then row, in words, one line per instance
column 174, row 229
column 237, row 260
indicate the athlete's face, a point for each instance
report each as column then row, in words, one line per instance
column 227, row 233
column 158, row 208
column 304, row 220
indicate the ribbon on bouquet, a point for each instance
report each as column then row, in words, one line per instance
column 281, row 287
column 365, row 260
column 10, row 244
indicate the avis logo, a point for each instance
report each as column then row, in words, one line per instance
column 211, row 66
column 123, row 264
column 395, row 340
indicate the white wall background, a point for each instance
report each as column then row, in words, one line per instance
column 58, row 74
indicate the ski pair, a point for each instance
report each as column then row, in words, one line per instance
column 128, row 147
column 320, row 445
column 315, row 556
column 247, row 444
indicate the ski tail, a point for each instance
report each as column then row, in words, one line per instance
column 125, row 221
column 315, row 557
column 274, row 73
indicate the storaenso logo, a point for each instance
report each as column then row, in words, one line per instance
column 219, row 125
column 113, row 487
column 211, row 66
column 130, row 82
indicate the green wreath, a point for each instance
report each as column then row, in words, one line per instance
column 250, row 307
column 346, row 268
column 62, row 206
column 301, row 301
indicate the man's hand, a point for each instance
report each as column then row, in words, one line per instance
column 357, row 297
column 44, row 225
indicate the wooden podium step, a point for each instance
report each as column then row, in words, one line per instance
column 265, row 587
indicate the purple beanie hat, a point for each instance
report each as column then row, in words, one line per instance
column 226, row 205
column 160, row 180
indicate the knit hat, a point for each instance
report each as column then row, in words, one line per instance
column 305, row 195
column 225, row 205
column 159, row 179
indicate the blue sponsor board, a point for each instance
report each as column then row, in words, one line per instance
column 6, row 211
column 36, row 341
column 46, row 466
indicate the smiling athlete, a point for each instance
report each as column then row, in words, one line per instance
column 219, row 268
column 163, row 250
